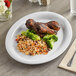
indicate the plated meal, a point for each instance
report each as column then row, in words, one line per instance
column 46, row 36
column 39, row 38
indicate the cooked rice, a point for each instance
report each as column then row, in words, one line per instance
column 31, row 47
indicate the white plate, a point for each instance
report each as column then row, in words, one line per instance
column 64, row 35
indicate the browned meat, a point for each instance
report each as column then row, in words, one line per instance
column 53, row 25
column 43, row 28
column 30, row 23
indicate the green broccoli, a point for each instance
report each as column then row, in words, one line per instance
column 35, row 37
column 23, row 33
column 47, row 37
column 54, row 37
column 30, row 35
column 50, row 43
column 50, row 39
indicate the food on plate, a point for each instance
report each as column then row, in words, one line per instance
column 50, row 39
column 53, row 25
column 40, row 28
column 31, row 35
column 39, row 38
column 31, row 47
column 43, row 28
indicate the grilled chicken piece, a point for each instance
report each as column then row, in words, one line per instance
column 53, row 25
column 43, row 28
column 30, row 23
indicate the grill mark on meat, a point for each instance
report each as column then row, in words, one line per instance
column 43, row 26
column 42, row 29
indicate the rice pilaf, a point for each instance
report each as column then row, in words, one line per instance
column 31, row 47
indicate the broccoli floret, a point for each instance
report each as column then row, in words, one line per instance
column 30, row 35
column 50, row 39
column 35, row 37
column 47, row 37
column 50, row 43
column 23, row 33
column 54, row 37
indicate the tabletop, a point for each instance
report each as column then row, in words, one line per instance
column 8, row 66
